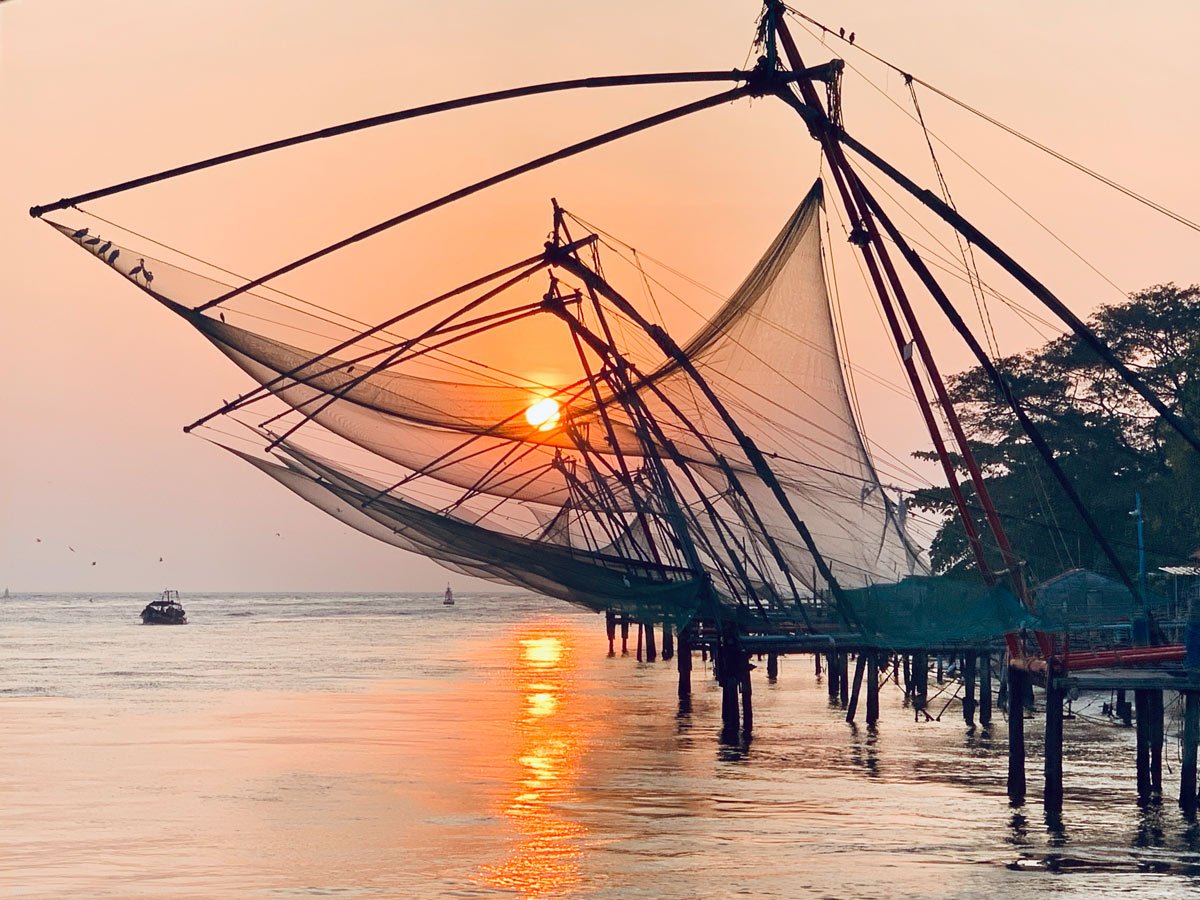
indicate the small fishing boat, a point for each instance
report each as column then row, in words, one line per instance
column 166, row 610
column 448, row 600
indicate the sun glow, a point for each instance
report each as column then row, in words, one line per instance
column 544, row 414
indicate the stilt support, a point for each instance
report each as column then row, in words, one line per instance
column 1052, row 796
column 1191, row 738
column 1141, row 702
column 1016, row 735
column 985, row 689
column 683, row 663
column 872, row 689
column 860, row 666
column 968, row 675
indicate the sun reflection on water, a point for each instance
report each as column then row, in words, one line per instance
column 545, row 858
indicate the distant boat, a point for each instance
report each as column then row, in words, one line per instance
column 166, row 610
column 6, row 591
column 448, row 600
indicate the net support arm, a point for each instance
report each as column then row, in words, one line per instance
column 568, row 151
column 415, row 112
column 761, row 468
column 1028, row 281
column 1002, row 387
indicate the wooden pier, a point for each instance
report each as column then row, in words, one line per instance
column 853, row 669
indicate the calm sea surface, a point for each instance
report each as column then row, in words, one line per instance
column 387, row 746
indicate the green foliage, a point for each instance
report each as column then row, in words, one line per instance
column 1107, row 440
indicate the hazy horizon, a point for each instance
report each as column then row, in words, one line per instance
column 99, row 482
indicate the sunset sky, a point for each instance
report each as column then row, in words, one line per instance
column 96, row 381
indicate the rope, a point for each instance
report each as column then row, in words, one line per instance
column 1061, row 157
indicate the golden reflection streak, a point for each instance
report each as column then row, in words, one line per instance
column 545, row 861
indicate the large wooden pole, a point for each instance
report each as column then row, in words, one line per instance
column 985, row 689
column 968, row 675
column 1016, row 734
column 860, row 667
column 1052, row 796
column 1191, row 738
column 872, row 689
column 1141, row 702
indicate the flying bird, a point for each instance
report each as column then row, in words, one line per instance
column 160, row 559
column 69, row 547
column 39, row 540
column 93, row 562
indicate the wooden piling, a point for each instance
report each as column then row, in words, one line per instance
column 1156, row 742
column 1141, row 702
column 730, row 684
column 1191, row 739
column 985, row 689
column 1016, row 734
column 610, row 626
column 641, row 629
column 1052, row 796
column 817, row 664
column 1124, row 709
column 772, row 666
column 668, row 647
column 624, row 637
column 968, row 674
column 831, row 677
column 683, row 663
column 941, row 669
column 872, row 689
column 844, row 679
column 747, row 694
column 860, row 666
column 920, row 680
column 651, row 649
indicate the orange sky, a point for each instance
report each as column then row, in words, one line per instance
column 96, row 382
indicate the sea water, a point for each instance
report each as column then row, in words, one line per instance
column 390, row 746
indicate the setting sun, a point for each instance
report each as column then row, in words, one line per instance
column 543, row 415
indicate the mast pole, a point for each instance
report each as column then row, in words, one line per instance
column 759, row 463
column 854, row 195
column 1026, row 280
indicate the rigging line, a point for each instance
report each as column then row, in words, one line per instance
column 1061, row 157
column 876, row 305
column 883, row 382
column 716, row 294
column 356, row 470
column 265, row 389
column 951, row 267
column 447, row 363
column 841, row 340
column 397, row 355
column 440, row 461
column 964, row 248
column 445, row 199
column 1040, row 224
column 1030, row 283
column 401, row 115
